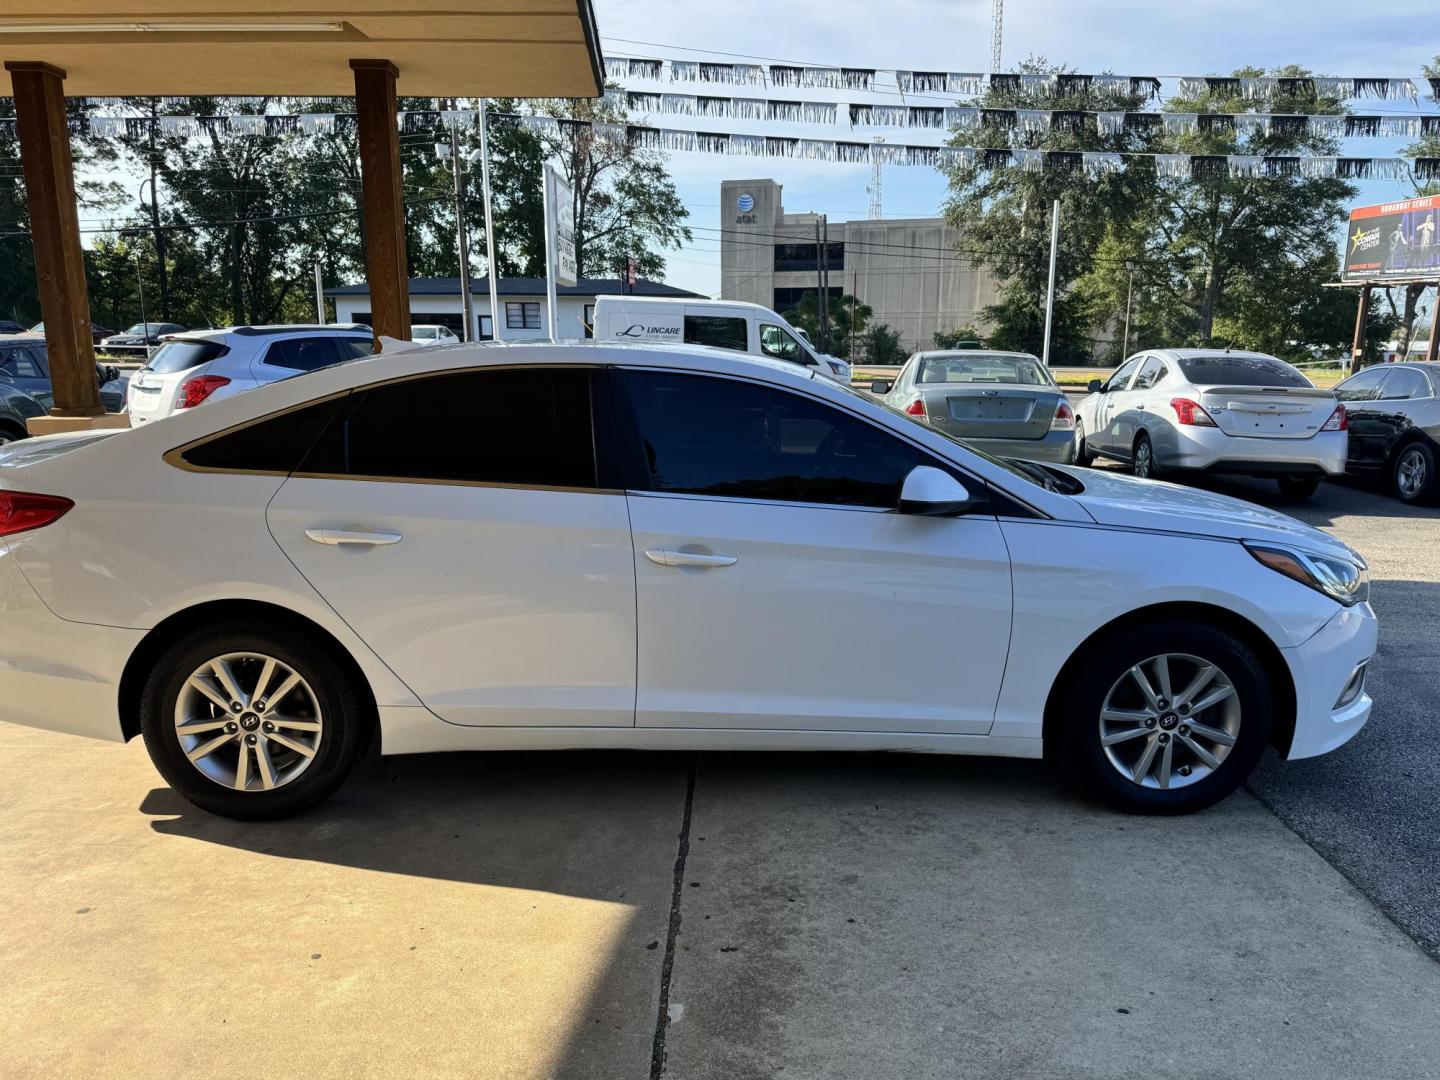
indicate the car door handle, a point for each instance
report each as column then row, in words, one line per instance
column 341, row 537
column 665, row 557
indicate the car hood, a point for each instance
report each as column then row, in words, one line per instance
column 1113, row 498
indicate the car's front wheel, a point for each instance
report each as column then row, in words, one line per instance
column 253, row 721
column 1163, row 717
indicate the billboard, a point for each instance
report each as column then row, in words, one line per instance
column 1394, row 241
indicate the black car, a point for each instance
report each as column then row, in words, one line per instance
column 98, row 333
column 1394, row 416
column 25, row 366
column 10, row 326
column 140, row 337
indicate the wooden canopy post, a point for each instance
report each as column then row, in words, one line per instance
column 1362, row 316
column 383, row 198
column 55, row 235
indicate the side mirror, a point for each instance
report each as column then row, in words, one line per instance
column 931, row 492
column 1094, row 386
column 111, row 373
column 880, row 386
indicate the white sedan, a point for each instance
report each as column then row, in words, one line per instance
column 592, row 545
column 1215, row 410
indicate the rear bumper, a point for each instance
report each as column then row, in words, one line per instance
column 1057, row 447
column 1321, row 669
column 57, row 675
column 1211, row 450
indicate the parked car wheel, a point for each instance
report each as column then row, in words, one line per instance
column 1164, row 718
column 251, row 721
column 1142, row 458
column 9, row 434
column 1082, row 455
column 1415, row 476
column 1298, row 487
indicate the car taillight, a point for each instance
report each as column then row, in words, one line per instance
column 1339, row 420
column 916, row 408
column 21, row 511
column 1189, row 413
column 1064, row 417
column 196, row 390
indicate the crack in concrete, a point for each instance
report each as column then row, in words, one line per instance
column 662, row 1017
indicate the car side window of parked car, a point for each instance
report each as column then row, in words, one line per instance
column 1150, row 374
column 353, row 348
column 717, row 331
column 1405, row 383
column 530, row 427
column 1362, row 386
column 303, row 354
column 703, row 435
column 19, row 364
column 276, row 444
column 779, row 343
column 1118, row 380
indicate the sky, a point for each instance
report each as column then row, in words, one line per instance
column 1131, row 37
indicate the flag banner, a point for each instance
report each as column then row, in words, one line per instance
column 1319, row 86
column 1100, row 164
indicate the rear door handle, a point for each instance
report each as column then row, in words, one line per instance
column 342, row 537
column 665, row 557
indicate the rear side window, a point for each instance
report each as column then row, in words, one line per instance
column 707, row 436
column 176, row 356
column 522, row 426
column 1240, row 371
column 1405, row 383
column 274, row 445
column 353, row 348
column 717, row 331
column 303, row 354
column 1150, row 374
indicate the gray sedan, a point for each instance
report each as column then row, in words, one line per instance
column 1007, row 404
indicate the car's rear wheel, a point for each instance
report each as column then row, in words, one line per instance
column 1082, row 454
column 1298, row 487
column 9, row 434
column 252, row 721
column 1416, row 478
column 1142, row 458
column 1164, row 717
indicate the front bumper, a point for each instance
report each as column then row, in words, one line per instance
column 57, row 675
column 1321, row 668
column 1210, row 449
column 1057, row 447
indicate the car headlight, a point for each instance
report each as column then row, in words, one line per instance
column 1343, row 580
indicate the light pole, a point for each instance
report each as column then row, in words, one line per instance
column 1129, row 293
column 140, row 286
column 159, row 236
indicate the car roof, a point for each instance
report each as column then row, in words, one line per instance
column 681, row 301
column 1204, row 354
column 275, row 330
column 929, row 354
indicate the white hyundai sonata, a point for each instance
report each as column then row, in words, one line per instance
column 494, row 548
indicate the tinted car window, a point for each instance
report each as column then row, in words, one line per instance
column 274, row 445
column 1240, row 371
column 530, row 426
column 353, row 348
column 1405, row 383
column 1363, row 386
column 709, row 436
column 718, row 331
column 176, row 356
column 302, row 354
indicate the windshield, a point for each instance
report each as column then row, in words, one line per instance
column 1240, row 371
column 139, row 328
column 982, row 369
column 423, row 333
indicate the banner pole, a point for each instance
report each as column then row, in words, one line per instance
column 1050, row 288
column 550, row 253
column 495, row 319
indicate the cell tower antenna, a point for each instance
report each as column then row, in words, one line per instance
column 875, row 179
column 997, row 18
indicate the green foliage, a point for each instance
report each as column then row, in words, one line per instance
column 848, row 318
column 950, row 339
column 881, row 346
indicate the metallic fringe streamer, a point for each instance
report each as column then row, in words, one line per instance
column 456, row 119
column 105, row 127
column 1181, row 123
column 1110, row 123
column 1245, row 165
column 1427, row 168
column 961, row 119
column 1100, row 164
column 857, row 78
column 678, row 104
column 1434, row 88
column 749, row 108
column 1038, row 84
column 1247, row 123
column 1172, row 164
column 642, row 102
column 852, row 153
column 1030, row 160
column 926, row 116
column 1033, row 119
column 615, row 99
column 749, row 145
column 248, row 124
column 609, row 132
column 1191, row 86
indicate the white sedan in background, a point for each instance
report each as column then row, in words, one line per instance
column 592, row 545
column 1168, row 411
column 432, row 334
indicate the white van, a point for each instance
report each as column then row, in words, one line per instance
column 721, row 324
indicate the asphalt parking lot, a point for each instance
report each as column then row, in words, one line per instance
column 632, row 916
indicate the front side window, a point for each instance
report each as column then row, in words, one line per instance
column 701, row 435
column 1118, row 380
column 526, row 426
column 522, row 315
column 717, row 331
column 1405, row 383
column 1362, row 386
column 1221, row 370
column 302, row 354
column 979, row 368
column 779, row 343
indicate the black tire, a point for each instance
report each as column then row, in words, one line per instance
column 1083, row 456
column 1075, row 722
column 346, row 711
column 1142, row 457
column 1418, row 490
column 9, row 433
column 1298, row 487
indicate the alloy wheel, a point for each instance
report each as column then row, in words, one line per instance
column 248, row 721
column 1144, row 458
column 1410, row 471
column 1170, row 721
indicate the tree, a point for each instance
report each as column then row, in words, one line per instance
column 882, row 345
column 950, row 339
column 848, row 318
